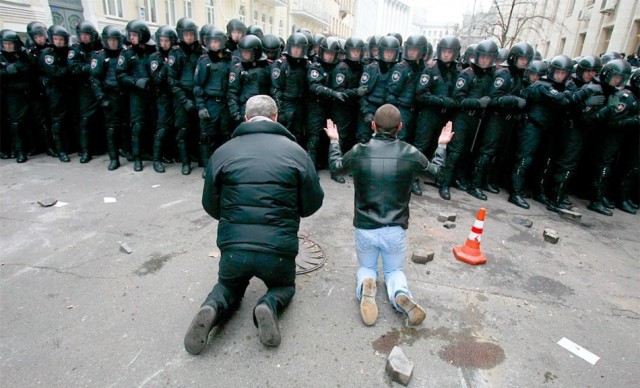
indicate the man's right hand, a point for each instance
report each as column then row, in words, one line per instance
column 446, row 135
column 203, row 114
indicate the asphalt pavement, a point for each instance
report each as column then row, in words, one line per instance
column 76, row 310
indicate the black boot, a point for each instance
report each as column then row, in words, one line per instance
column 157, row 151
column 445, row 178
column 21, row 157
column 85, row 156
column 517, row 181
column 562, row 181
column 184, row 154
column 626, row 207
column 137, row 164
column 597, row 205
column 112, row 149
column 541, row 195
column 158, row 166
column 205, row 151
column 337, row 178
column 56, row 131
column 477, row 177
column 607, row 203
column 444, row 193
column 492, row 172
column 63, row 157
column 626, row 187
column 415, row 187
column 493, row 189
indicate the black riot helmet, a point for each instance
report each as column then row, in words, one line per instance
column 251, row 44
column 374, row 43
column 236, row 25
column 429, row 53
column 396, row 35
column 282, row 43
column 87, row 28
column 615, row 67
column 255, row 29
column 354, row 49
column 520, row 50
column 329, row 45
column 448, row 42
column 36, row 28
column 576, row 60
column 186, row 25
column 487, row 48
column 141, row 28
column 303, row 30
column 536, row 67
column 271, row 46
column 588, row 63
column 58, row 30
column 166, row 32
column 537, row 56
column 610, row 56
column 203, row 32
column 418, row 42
column 389, row 44
column 11, row 36
column 215, row 34
column 503, row 53
column 112, row 31
column 341, row 54
column 634, row 80
column 558, row 63
column 318, row 38
column 310, row 39
column 469, row 53
column 297, row 39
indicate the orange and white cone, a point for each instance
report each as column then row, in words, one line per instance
column 470, row 251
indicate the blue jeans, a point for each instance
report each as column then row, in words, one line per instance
column 390, row 242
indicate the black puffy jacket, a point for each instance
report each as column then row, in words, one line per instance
column 257, row 186
column 383, row 170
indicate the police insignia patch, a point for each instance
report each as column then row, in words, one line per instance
column 276, row 73
column 120, row 60
column 365, row 78
column 71, row 54
column 232, row 77
column 315, row 73
column 172, row 60
column 498, row 82
column 553, row 91
column 154, row 66
column 395, row 76
column 94, row 63
column 424, row 79
column 460, row 83
column 48, row 59
column 339, row 78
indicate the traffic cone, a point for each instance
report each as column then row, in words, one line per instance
column 470, row 251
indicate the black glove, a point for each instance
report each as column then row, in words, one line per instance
column 368, row 119
column 204, row 114
column 11, row 69
column 508, row 101
column 449, row 102
column 596, row 100
column 470, row 103
column 142, row 83
column 484, row 101
column 593, row 87
column 521, row 102
column 362, row 90
column 105, row 104
column 86, row 69
column 434, row 100
column 188, row 105
column 342, row 97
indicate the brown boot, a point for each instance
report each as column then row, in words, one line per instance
column 368, row 308
column 413, row 310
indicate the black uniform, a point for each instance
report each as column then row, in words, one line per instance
column 38, row 117
column 375, row 77
column 320, row 104
column 247, row 79
column 401, row 92
column 15, row 81
column 289, row 90
column 346, row 79
column 164, row 103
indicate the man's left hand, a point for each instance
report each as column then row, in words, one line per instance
column 332, row 130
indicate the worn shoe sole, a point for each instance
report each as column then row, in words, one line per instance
column 368, row 307
column 268, row 329
column 196, row 338
column 415, row 313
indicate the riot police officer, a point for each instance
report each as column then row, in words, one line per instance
column 468, row 55
column 271, row 47
column 434, row 98
column 236, row 30
column 472, row 95
column 255, row 30
column 105, row 85
column 373, row 48
column 134, row 75
column 182, row 62
column 166, row 39
column 289, row 85
column 375, row 77
column 14, row 84
column 80, row 57
column 54, row 62
column 499, row 118
column 211, row 85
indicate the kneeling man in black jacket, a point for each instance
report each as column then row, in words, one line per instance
column 383, row 171
column 257, row 185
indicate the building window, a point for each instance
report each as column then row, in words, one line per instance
column 255, row 18
column 208, row 7
column 281, row 28
column 606, row 35
column 270, row 24
column 150, row 11
column 264, row 23
column 170, row 11
column 590, row 2
column 563, row 42
column 187, row 9
column 113, row 7
column 241, row 13
column 572, row 5
column 581, row 38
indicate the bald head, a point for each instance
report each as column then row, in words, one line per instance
column 387, row 119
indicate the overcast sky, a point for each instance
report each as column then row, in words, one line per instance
column 442, row 11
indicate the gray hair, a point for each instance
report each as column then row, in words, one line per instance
column 261, row 105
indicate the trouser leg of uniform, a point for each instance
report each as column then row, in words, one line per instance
column 464, row 126
column 59, row 140
column 565, row 166
column 316, row 119
column 344, row 117
column 83, row 130
column 112, row 148
column 528, row 140
column 427, row 130
column 406, row 133
column 17, row 103
column 182, row 150
column 87, row 107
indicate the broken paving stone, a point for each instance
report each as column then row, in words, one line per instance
column 551, row 236
column 527, row 223
column 47, row 202
column 570, row 214
column 422, row 257
column 124, row 247
column 442, row 217
column 399, row 368
column 449, row 225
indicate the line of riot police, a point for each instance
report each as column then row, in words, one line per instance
column 517, row 119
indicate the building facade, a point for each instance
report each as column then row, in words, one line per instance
column 380, row 17
column 279, row 17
